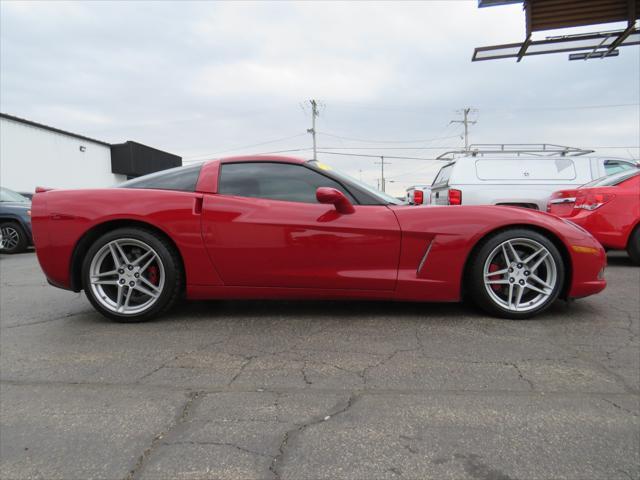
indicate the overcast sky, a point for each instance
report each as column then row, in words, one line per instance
column 206, row 79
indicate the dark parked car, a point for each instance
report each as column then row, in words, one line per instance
column 15, row 222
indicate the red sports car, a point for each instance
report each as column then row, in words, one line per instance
column 609, row 208
column 275, row 227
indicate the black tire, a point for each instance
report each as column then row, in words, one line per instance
column 20, row 243
column 475, row 273
column 633, row 247
column 167, row 254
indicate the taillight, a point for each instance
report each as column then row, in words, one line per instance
column 455, row 197
column 418, row 197
column 592, row 200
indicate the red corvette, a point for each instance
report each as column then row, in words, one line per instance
column 609, row 208
column 274, row 227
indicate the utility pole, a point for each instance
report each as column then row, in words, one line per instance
column 466, row 123
column 312, row 130
column 381, row 163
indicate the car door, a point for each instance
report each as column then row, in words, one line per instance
column 265, row 228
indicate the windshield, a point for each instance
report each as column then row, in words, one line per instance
column 610, row 180
column 348, row 179
column 7, row 195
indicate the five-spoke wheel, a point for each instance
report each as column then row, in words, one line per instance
column 131, row 274
column 516, row 273
column 13, row 239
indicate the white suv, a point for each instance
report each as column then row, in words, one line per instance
column 522, row 181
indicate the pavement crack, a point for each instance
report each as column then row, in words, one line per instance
column 247, row 360
column 137, row 469
column 290, row 435
column 521, row 375
column 619, row 407
column 363, row 374
column 38, row 322
column 218, row 444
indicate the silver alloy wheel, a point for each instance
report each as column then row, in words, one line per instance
column 126, row 276
column 520, row 274
column 10, row 238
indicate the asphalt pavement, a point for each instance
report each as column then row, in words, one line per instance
column 318, row 390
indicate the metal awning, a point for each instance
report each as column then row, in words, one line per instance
column 554, row 14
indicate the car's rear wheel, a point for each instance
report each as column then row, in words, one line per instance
column 132, row 275
column 14, row 238
column 516, row 274
column 633, row 247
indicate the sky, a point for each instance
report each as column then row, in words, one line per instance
column 212, row 79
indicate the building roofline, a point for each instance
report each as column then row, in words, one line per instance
column 52, row 129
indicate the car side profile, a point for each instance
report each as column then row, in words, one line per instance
column 278, row 227
column 609, row 208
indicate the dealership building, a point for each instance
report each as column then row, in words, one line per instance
column 33, row 154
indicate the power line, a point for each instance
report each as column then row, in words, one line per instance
column 192, row 160
column 427, row 108
column 248, row 146
column 378, row 156
column 390, row 148
column 385, row 141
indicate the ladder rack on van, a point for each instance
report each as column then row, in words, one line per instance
column 533, row 149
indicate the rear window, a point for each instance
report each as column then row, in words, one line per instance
column 443, row 175
column 617, row 166
column 181, row 178
column 611, row 180
column 526, row 169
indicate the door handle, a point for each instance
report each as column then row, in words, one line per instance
column 197, row 206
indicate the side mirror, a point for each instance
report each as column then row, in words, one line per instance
column 336, row 197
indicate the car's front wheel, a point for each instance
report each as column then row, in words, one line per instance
column 13, row 238
column 516, row 274
column 132, row 275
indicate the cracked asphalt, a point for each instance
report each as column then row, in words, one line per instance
column 318, row 390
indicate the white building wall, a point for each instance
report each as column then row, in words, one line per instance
column 32, row 156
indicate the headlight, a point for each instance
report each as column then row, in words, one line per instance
column 28, row 213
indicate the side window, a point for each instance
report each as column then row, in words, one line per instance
column 614, row 166
column 180, row 178
column 443, row 175
column 276, row 181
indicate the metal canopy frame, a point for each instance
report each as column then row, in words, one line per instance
column 600, row 45
column 531, row 149
column 551, row 14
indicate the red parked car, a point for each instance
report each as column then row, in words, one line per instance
column 609, row 208
column 276, row 227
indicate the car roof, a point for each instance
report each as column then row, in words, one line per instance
column 261, row 158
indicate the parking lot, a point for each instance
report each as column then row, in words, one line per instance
column 310, row 390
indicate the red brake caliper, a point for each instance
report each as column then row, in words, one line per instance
column 493, row 268
column 153, row 274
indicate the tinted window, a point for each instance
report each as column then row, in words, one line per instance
column 614, row 166
column 277, row 181
column 443, row 175
column 181, row 178
column 611, row 180
column 365, row 194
